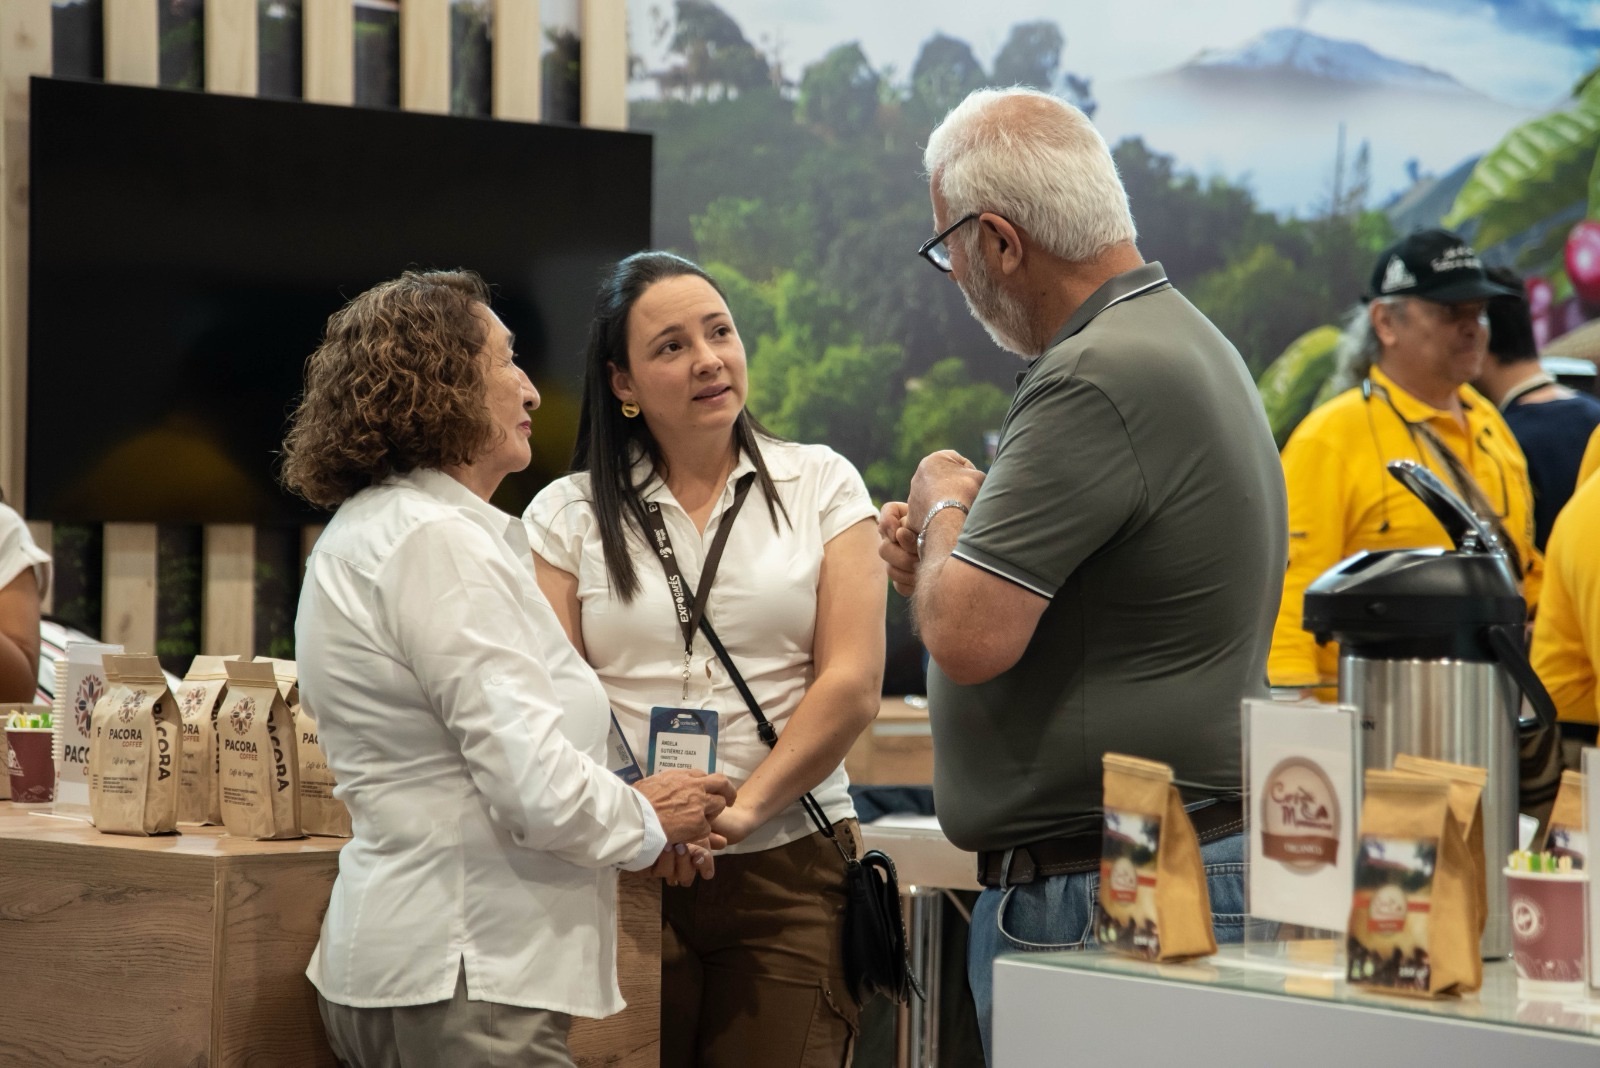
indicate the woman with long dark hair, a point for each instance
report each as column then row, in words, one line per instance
column 682, row 505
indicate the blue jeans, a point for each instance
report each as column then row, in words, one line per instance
column 1058, row 913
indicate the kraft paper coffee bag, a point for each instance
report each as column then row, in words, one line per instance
column 1153, row 901
column 1567, row 836
column 259, row 772
column 199, row 800
column 136, row 750
column 287, row 674
column 320, row 812
column 1413, row 922
column 1466, row 801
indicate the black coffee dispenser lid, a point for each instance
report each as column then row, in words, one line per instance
column 1424, row 603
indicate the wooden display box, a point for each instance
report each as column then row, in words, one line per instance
column 897, row 750
column 191, row 950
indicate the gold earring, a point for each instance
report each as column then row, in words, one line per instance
column 630, row 410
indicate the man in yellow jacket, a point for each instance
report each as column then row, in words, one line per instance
column 1423, row 336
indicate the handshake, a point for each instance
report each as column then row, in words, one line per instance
column 691, row 807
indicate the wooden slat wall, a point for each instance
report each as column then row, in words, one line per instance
column 514, row 69
column 132, row 56
column 128, row 602
column 24, row 52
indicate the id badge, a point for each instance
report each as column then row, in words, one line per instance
column 619, row 755
column 683, row 738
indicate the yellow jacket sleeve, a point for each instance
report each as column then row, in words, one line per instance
column 1566, row 632
column 1314, row 476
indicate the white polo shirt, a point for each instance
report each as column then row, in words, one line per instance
column 19, row 552
column 763, row 605
column 468, row 740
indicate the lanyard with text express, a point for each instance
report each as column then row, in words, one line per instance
column 690, row 604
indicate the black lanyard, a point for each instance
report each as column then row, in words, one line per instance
column 691, row 604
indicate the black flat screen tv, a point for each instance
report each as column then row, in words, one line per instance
column 186, row 250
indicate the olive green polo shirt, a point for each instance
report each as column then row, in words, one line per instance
column 1137, row 487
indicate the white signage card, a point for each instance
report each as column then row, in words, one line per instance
column 1302, row 816
column 80, row 682
column 1591, row 820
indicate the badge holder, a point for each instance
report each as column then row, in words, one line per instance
column 1301, row 807
column 683, row 738
column 619, row 755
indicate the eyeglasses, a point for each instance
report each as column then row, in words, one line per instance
column 934, row 251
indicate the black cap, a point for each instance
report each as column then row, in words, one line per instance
column 1434, row 265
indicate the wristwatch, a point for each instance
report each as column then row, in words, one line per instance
column 927, row 520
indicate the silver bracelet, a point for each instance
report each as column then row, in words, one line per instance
column 927, row 520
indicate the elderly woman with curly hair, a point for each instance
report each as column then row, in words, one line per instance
column 473, row 915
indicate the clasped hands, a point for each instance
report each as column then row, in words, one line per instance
column 697, row 813
column 943, row 475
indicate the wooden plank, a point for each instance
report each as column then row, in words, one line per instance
column 518, row 41
column 128, row 614
column 270, row 912
column 116, row 949
column 228, row 590
column 631, row 1038
column 128, row 597
column 603, row 65
column 133, row 42
column 44, row 536
column 25, row 43
column 329, row 63
column 425, row 55
column 232, row 55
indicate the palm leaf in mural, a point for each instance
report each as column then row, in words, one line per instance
column 1537, row 169
column 1291, row 385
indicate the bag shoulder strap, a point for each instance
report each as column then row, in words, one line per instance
column 769, row 734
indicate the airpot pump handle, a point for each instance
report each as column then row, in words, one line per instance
column 1506, row 641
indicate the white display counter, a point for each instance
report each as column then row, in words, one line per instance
column 1095, row 1008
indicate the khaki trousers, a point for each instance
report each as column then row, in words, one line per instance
column 752, row 974
column 447, row 1034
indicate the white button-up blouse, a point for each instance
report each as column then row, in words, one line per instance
column 468, row 739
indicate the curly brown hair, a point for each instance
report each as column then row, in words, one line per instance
column 397, row 384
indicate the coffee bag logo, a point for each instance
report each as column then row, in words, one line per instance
column 194, row 699
column 1300, row 816
column 1527, row 918
column 243, row 714
column 90, row 690
column 130, row 705
column 1386, row 914
column 1123, row 881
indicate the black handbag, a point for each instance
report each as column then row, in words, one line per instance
column 875, row 959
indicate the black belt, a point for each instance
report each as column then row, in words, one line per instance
column 1081, row 852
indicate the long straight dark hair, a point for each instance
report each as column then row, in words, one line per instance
column 606, row 438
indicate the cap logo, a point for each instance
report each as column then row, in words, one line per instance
column 1396, row 276
column 1458, row 258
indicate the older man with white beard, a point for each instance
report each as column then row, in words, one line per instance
column 1110, row 584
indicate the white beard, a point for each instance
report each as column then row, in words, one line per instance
column 1005, row 320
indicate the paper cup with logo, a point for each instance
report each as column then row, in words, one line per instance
column 1547, row 927
column 31, row 764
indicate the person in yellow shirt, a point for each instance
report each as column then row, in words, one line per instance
column 1420, row 339
column 1566, row 634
